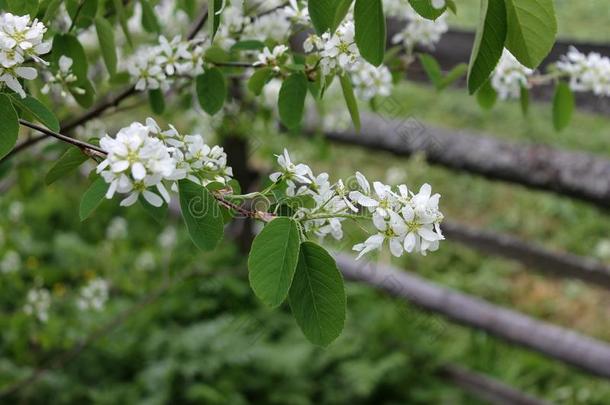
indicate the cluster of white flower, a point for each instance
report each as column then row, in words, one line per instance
column 338, row 51
column 370, row 81
column 11, row 262
column 510, row 76
column 62, row 81
column 587, row 72
column 409, row 222
column 93, row 296
column 20, row 39
column 272, row 58
column 38, row 302
column 142, row 157
column 418, row 30
column 117, row 229
column 155, row 67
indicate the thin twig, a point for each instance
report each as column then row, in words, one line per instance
column 83, row 145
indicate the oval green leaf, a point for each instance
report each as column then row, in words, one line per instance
column 273, row 260
column 38, row 110
column 9, row 125
column 66, row 164
column 201, row 215
column 211, row 90
column 291, row 102
column 563, row 106
column 105, row 35
column 370, row 30
column 350, row 100
column 92, row 198
column 532, row 27
column 488, row 43
column 317, row 295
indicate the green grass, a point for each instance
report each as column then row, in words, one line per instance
column 583, row 20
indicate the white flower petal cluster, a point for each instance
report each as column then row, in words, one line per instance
column 156, row 67
column 587, row 72
column 338, row 51
column 11, row 262
column 21, row 39
column 62, row 81
column 296, row 14
column 117, row 229
column 38, row 302
column 510, row 76
column 272, row 58
column 143, row 157
column 408, row 222
column 93, row 296
column 370, row 81
column 330, row 200
column 419, row 30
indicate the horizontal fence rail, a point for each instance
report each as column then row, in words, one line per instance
column 574, row 174
column 487, row 389
column 455, row 47
column 556, row 342
column 531, row 255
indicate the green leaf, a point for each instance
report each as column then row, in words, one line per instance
column 350, row 100
column 22, row 7
column 51, row 10
column 563, row 106
column 488, row 43
column 66, row 164
column 122, row 16
column 524, row 100
column 201, row 215
column 273, row 260
column 248, row 45
column 37, row 110
column 9, row 125
column 105, row 35
column 259, row 79
column 149, row 18
column 487, row 95
column 432, row 69
column 214, row 9
column 82, row 11
column 68, row 45
column 453, row 75
column 157, row 213
column 84, row 99
column 532, row 27
column 211, row 90
column 370, row 30
column 92, row 198
column 426, row 10
column 326, row 15
column 317, row 295
column 291, row 102
column 156, row 99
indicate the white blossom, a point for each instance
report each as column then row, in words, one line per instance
column 20, row 39
column 63, row 80
column 141, row 158
column 291, row 172
column 38, row 302
column 586, row 72
column 270, row 58
column 419, row 30
column 11, row 262
column 370, row 81
column 117, row 229
column 510, row 76
column 93, row 296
